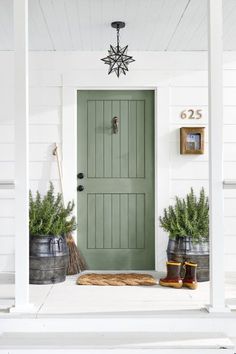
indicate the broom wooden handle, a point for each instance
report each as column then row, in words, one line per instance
column 56, row 153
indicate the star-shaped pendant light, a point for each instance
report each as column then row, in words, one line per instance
column 118, row 59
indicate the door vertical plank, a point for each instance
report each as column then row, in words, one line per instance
column 99, row 221
column 116, row 142
column 115, row 221
column 140, row 221
column 107, row 220
column 124, row 116
column 91, row 139
column 107, row 138
column 124, row 221
column 132, row 139
column 132, row 221
column 91, row 221
column 99, row 138
column 140, row 139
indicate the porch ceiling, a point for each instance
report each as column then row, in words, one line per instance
column 152, row 25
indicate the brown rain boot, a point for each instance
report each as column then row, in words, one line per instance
column 190, row 278
column 173, row 278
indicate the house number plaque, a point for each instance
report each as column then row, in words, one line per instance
column 191, row 114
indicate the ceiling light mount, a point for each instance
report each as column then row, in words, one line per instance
column 118, row 59
column 118, row 24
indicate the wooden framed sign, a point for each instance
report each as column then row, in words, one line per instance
column 192, row 140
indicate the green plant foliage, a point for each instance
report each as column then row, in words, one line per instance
column 188, row 217
column 49, row 216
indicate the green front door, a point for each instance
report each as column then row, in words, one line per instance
column 116, row 206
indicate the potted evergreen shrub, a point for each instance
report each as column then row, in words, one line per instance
column 49, row 222
column 187, row 223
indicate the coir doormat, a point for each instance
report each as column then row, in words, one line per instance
column 119, row 279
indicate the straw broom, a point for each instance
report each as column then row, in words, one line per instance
column 76, row 263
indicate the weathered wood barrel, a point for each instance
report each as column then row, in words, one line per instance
column 48, row 259
column 183, row 249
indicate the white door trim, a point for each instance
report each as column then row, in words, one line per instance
column 162, row 155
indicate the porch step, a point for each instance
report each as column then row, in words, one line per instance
column 115, row 343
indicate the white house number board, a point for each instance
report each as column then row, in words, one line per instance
column 191, row 114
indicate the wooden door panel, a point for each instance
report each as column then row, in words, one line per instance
column 116, row 208
column 119, row 155
column 116, row 221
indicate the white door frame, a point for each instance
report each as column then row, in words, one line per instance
column 161, row 160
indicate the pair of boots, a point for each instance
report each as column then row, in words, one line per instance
column 173, row 278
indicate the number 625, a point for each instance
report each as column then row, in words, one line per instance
column 191, row 114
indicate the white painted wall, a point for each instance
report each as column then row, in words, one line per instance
column 183, row 73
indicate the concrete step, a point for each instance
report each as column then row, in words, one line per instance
column 115, row 343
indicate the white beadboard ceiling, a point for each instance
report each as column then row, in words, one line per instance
column 152, row 25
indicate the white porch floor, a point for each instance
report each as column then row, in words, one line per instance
column 70, row 299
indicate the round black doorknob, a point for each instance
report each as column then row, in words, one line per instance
column 80, row 175
column 80, row 188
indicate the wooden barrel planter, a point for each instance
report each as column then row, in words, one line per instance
column 48, row 259
column 183, row 249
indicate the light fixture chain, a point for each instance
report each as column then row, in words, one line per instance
column 118, row 36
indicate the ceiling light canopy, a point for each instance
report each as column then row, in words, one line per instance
column 118, row 59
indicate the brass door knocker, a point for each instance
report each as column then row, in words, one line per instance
column 115, row 125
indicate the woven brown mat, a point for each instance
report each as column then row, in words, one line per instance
column 120, row 279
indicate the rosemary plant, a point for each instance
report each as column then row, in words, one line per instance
column 48, row 215
column 188, row 217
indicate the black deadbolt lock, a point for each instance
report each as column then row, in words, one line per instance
column 80, row 188
column 80, row 175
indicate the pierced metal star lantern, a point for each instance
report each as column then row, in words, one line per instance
column 118, row 59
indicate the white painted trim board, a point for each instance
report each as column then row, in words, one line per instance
column 162, row 168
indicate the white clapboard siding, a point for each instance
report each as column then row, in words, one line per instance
column 45, row 96
column 7, row 245
column 230, row 226
column 200, row 78
column 45, row 134
column 7, row 170
column 229, row 133
column 230, row 114
column 6, row 226
column 230, row 244
column 7, row 151
column 182, row 188
column 45, row 115
column 45, row 78
column 7, row 207
column 230, row 207
column 230, row 193
column 230, row 151
column 189, row 96
column 230, row 170
column 6, row 133
column 186, row 78
column 181, row 96
column 229, row 96
column 230, row 263
column 177, row 157
column 45, row 170
column 7, row 263
column 189, row 170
